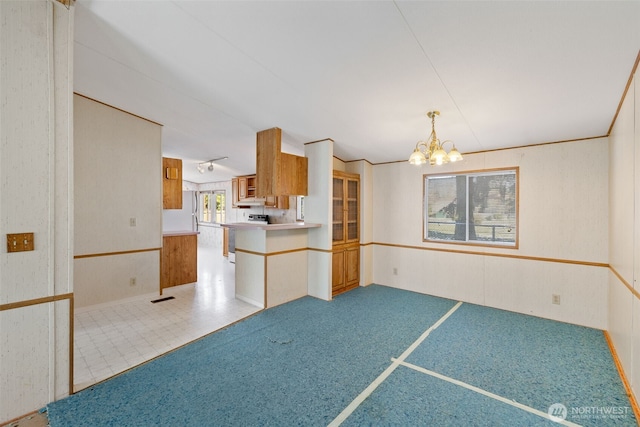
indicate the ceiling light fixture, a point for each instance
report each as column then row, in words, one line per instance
column 201, row 166
column 432, row 150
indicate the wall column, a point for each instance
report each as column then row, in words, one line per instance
column 36, row 196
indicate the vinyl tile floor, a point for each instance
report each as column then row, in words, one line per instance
column 112, row 338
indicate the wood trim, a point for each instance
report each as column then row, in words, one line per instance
column 116, row 108
column 627, row 284
column 506, row 148
column 134, row 251
column 356, row 160
column 268, row 254
column 244, row 251
column 623, row 377
column 540, row 144
column 160, row 270
column 35, row 301
column 71, row 342
column 471, row 171
column 523, row 257
column 46, row 300
column 319, row 140
column 624, row 95
column 264, row 292
column 326, row 251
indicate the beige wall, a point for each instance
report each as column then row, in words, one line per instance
column 36, row 189
column 118, row 164
column 624, row 231
column 563, row 212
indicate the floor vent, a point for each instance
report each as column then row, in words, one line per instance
column 162, row 299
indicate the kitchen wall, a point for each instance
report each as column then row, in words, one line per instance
column 211, row 235
column 563, row 217
column 118, row 164
column 36, row 195
column 624, row 230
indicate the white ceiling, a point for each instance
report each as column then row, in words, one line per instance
column 363, row 73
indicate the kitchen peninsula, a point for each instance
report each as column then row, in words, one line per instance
column 271, row 262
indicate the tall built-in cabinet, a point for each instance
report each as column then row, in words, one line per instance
column 345, row 232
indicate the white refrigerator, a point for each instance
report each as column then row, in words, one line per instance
column 185, row 219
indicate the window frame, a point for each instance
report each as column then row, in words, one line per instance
column 213, row 212
column 479, row 172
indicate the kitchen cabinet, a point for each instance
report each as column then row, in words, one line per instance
column 235, row 195
column 171, row 183
column 278, row 173
column 247, row 188
column 243, row 194
column 179, row 259
column 345, row 261
column 225, row 242
column 345, row 232
column 276, row 202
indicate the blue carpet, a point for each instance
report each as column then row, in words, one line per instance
column 410, row 398
column 297, row 364
column 303, row 362
column 534, row 361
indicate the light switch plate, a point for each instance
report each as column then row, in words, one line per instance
column 19, row 242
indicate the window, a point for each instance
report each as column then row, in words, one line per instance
column 473, row 208
column 212, row 206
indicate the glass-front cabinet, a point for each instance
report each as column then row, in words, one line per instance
column 346, row 232
column 346, row 214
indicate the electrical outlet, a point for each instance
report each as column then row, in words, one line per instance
column 395, row 271
column 132, row 281
column 132, row 222
column 555, row 299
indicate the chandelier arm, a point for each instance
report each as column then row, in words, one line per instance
column 422, row 146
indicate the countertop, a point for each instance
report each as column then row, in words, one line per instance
column 179, row 233
column 270, row 227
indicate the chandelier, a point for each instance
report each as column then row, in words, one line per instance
column 433, row 150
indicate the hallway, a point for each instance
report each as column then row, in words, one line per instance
column 111, row 338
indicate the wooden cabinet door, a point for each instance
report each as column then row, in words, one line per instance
column 242, row 188
column 352, row 208
column 225, row 241
column 271, row 202
column 337, row 275
column 179, row 260
column 352, row 266
column 346, row 208
column 338, row 236
column 235, row 196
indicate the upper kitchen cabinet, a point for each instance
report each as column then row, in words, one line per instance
column 243, row 195
column 171, row 183
column 278, row 173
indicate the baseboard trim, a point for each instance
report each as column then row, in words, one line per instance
column 623, row 376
